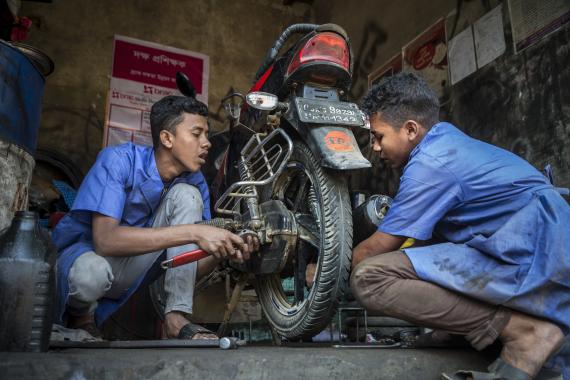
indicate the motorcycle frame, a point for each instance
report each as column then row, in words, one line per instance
column 273, row 80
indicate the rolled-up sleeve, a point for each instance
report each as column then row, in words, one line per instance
column 427, row 192
column 104, row 188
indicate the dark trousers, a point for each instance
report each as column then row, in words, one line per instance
column 387, row 284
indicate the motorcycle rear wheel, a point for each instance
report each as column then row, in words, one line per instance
column 320, row 201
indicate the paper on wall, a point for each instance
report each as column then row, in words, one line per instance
column 143, row 73
column 489, row 37
column 461, row 54
column 532, row 20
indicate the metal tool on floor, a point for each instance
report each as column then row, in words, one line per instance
column 225, row 343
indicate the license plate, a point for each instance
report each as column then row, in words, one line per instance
column 329, row 112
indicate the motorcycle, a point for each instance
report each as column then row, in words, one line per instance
column 283, row 177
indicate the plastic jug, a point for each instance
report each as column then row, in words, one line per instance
column 27, row 285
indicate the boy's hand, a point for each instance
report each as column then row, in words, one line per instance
column 252, row 241
column 223, row 244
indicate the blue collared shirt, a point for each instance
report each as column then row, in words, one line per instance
column 505, row 228
column 124, row 184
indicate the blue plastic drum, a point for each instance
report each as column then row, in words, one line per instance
column 21, row 91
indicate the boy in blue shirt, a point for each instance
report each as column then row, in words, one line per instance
column 135, row 203
column 502, row 268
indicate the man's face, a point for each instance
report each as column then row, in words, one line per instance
column 394, row 143
column 190, row 143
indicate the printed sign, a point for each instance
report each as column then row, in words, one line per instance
column 393, row 66
column 532, row 20
column 462, row 58
column 489, row 36
column 143, row 73
column 426, row 56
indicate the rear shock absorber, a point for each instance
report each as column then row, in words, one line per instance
column 251, row 202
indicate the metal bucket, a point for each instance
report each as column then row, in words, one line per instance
column 22, row 71
column 16, row 166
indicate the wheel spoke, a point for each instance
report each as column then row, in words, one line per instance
column 300, row 193
column 308, row 229
column 300, row 268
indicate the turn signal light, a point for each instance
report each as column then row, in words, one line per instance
column 327, row 46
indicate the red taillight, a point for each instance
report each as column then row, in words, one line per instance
column 327, row 46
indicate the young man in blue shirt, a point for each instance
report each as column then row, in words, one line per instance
column 501, row 267
column 135, row 203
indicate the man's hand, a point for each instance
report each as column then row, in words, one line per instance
column 112, row 239
column 252, row 241
column 376, row 244
column 224, row 244
column 220, row 243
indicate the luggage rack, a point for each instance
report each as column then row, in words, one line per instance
column 261, row 160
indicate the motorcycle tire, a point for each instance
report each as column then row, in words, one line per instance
column 331, row 209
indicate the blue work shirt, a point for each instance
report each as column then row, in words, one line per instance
column 124, row 184
column 506, row 230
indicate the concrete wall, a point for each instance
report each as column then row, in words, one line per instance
column 533, row 119
column 78, row 36
column 520, row 102
column 379, row 28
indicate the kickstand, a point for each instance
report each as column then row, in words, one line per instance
column 231, row 306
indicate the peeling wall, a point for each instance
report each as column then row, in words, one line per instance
column 522, row 103
column 78, row 36
column 518, row 102
column 379, row 28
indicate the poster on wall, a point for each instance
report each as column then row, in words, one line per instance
column 532, row 20
column 426, row 55
column 462, row 59
column 489, row 37
column 393, row 66
column 476, row 46
column 144, row 72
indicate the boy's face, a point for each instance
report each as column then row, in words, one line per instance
column 190, row 143
column 394, row 143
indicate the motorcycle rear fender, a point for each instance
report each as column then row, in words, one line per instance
column 334, row 146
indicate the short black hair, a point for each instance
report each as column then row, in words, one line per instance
column 401, row 97
column 169, row 111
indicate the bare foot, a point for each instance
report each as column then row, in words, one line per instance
column 528, row 342
column 174, row 321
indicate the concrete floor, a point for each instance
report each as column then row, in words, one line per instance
column 250, row 362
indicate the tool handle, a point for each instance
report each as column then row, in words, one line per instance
column 184, row 258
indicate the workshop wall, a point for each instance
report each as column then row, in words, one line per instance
column 522, row 103
column 519, row 102
column 379, row 28
column 78, row 36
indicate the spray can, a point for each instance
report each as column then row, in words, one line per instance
column 27, row 285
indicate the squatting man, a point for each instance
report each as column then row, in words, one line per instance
column 136, row 206
column 495, row 262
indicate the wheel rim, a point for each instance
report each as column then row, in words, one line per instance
column 296, row 189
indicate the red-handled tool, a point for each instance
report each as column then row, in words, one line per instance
column 195, row 255
column 184, row 258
